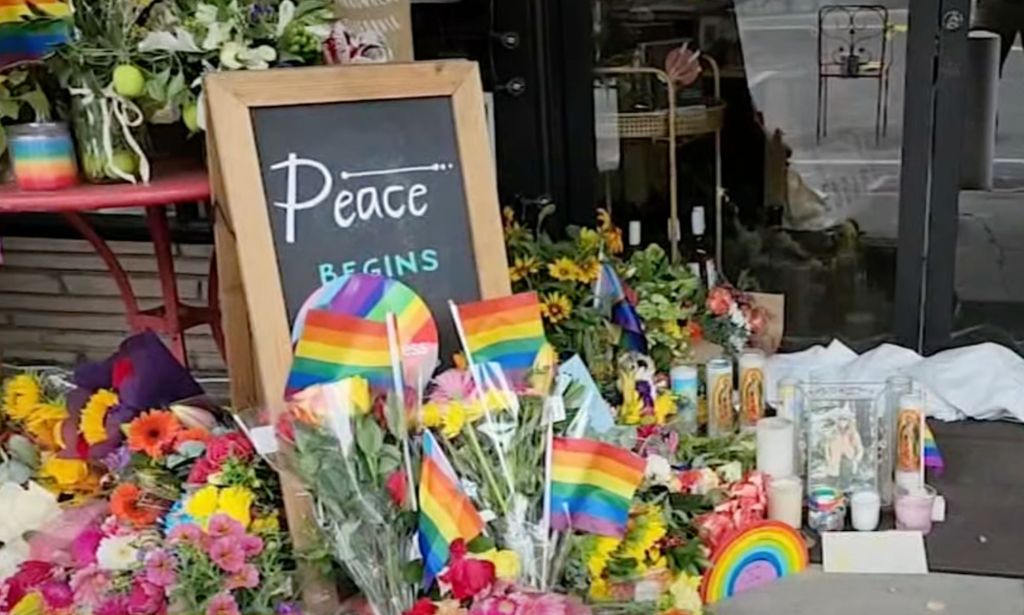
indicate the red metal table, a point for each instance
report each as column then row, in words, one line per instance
column 169, row 186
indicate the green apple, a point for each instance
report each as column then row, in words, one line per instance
column 190, row 115
column 129, row 81
column 124, row 161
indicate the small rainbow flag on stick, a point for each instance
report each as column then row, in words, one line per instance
column 932, row 456
column 507, row 331
column 592, row 486
column 446, row 512
column 334, row 346
column 609, row 288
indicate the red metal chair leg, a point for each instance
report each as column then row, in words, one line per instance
column 124, row 284
column 159, row 230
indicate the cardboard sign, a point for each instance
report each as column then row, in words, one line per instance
column 378, row 30
column 379, row 169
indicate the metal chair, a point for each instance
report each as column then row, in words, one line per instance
column 853, row 44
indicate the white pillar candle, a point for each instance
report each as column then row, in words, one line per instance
column 786, row 501
column 865, row 507
column 775, row 447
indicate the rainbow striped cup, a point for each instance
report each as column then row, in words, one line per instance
column 42, row 155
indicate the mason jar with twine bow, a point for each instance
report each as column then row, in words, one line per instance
column 104, row 124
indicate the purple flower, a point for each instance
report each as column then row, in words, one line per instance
column 186, row 533
column 228, row 554
column 160, row 569
column 223, row 526
column 247, row 577
column 222, row 604
column 288, row 608
column 118, row 460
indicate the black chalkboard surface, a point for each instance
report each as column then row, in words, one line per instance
column 368, row 187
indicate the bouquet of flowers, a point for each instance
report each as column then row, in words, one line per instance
column 731, row 319
column 349, row 449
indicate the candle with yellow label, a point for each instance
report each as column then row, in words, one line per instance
column 721, row 415
column 751, row 388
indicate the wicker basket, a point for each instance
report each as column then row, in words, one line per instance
column 690, row 121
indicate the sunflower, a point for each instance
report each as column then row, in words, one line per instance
column 522, row 267
column 612, row 234
column 556, row 307
column 589, row 271
column 94, row 416
column 152, row 433
column 44, row 423
column 66, row 473
column 563, row 270
column 126, row 504
column 22, row 394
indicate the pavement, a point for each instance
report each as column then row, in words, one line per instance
column 815, row 592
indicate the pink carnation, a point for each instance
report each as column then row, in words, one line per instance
column 251, row 545
column 223, row 526
column 160, row 569
column 186, row 533
column 222, row 604
column 247, row 577
column 228, row 554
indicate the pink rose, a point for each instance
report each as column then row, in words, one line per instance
column 233, row 444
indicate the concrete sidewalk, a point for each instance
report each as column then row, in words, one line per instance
column 850, row 594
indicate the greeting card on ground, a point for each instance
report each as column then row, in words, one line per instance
column 874, row 552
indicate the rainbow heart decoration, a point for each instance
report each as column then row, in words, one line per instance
column 756, row 556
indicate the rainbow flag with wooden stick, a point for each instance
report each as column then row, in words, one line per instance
column 932, row 456
column 592, row 486
column 446, row 513
column 334, row 346
column 507, row 331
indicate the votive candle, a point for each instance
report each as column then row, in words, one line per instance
column 42, row 156
column 786, row 501
column 865, row 509
column 914, row 507
column 684, row 387
column 775, row 447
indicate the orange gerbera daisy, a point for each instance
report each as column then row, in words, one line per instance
column 153, row 433
column 126, row 504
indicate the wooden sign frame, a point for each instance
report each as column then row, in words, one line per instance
column 238, row 186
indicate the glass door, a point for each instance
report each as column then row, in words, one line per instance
column 775, row 131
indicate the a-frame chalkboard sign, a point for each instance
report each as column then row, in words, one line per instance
column 321, row 172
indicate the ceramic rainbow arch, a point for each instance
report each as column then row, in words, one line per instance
column 758, row 555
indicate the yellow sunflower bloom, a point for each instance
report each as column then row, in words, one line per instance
column 604, row 220
column 589, row 271
column 66, row 473
column 564, row 270
column 94, row 416
column 22, row 394
column 523, row 267
column 236, row 502
column 43, row 422
column 613, row 239
column 556, row 307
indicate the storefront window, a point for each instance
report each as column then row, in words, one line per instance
column 990, row 245
column 784, row 151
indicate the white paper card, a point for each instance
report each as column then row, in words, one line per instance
column 263, row 439
column 894, row 552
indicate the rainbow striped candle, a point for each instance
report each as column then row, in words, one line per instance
column 592, row 486
column 43, row 156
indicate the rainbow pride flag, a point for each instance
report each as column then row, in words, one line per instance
column 592, row 486
column 507, row 331
column 446, row 512
column 932, row 456
column 31, row 30
column 334, row 346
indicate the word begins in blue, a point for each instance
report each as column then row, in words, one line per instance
column 390, row 265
